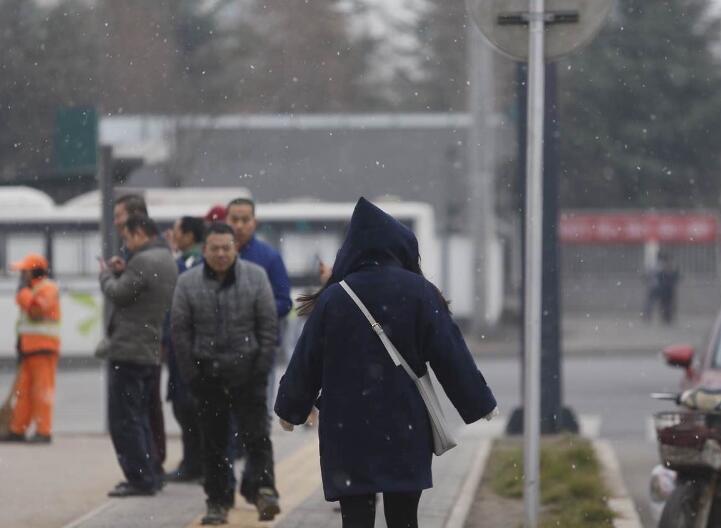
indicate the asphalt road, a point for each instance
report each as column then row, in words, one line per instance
column 610, row 394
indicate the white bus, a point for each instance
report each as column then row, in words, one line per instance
column 69, row 236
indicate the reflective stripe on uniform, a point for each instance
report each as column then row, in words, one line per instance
column 39, row 328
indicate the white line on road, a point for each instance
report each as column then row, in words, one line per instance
column 650, row 430
column 590, row 425
column 88, row 516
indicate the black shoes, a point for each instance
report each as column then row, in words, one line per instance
column 13, row 438
column 267, row 504
column 18, row 438
column 126, row 489
column 216, row 514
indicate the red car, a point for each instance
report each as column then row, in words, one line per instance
column 690, row 440
column 703, row 367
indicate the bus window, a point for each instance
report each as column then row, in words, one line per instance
column 20, row 244
column 92, row 247
column 68, row 254
column 301, row 251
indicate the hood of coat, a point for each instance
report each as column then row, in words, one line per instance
column 374, row 235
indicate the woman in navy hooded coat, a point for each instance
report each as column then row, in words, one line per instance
column 375, row 434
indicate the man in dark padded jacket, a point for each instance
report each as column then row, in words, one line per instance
column 224, row 328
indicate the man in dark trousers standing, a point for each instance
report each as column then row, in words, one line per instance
column 125, row 206
column 140, row 292
column 224, row 329
column 188, row 233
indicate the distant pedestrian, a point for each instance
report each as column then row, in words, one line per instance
column 375, row 434
column 125, row 206
column 38, row 347
column 662, row 281
column 224, row 328
column 140, row 293
column 188, row 233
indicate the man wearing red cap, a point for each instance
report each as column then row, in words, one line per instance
column 217, row 213
column 38, row 344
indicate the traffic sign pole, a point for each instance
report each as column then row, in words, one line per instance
column 518, row 29
column 534, row 255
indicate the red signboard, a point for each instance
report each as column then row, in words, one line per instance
column 607, row 228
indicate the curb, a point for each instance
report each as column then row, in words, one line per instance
column 620, row 501
column 467, row 494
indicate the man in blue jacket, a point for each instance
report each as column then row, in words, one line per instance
column 241, row 217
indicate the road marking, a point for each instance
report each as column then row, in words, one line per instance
column 651, row 430
column 297, row 477
column 590, row 425
column 88, row 516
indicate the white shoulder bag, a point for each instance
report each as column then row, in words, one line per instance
column 442, row 436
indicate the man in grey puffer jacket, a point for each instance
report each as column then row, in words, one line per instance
column 140, row 294
column 224, row 330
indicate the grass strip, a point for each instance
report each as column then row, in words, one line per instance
column 573, row 493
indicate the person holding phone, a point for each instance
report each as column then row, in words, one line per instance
column 139, row 295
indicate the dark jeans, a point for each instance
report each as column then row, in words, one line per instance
column 666, row 302
column 185, row 410
column 216, row 403
column 130, row 395
column 401, row 510
column 157, row 423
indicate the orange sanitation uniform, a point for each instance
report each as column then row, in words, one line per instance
column 38, row 330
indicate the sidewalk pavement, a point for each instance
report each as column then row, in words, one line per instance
column 65, row 485
column 601, row 334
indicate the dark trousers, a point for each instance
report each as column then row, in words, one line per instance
column 185, row 410
column 130, row 395
column 157, row 423
column 247, row 404
column 401, row 510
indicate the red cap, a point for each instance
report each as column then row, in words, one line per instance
column 31, row 262
column 217, row 213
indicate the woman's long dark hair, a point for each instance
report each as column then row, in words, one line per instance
column 308, row 300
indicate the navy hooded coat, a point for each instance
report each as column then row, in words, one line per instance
column 375, row 435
